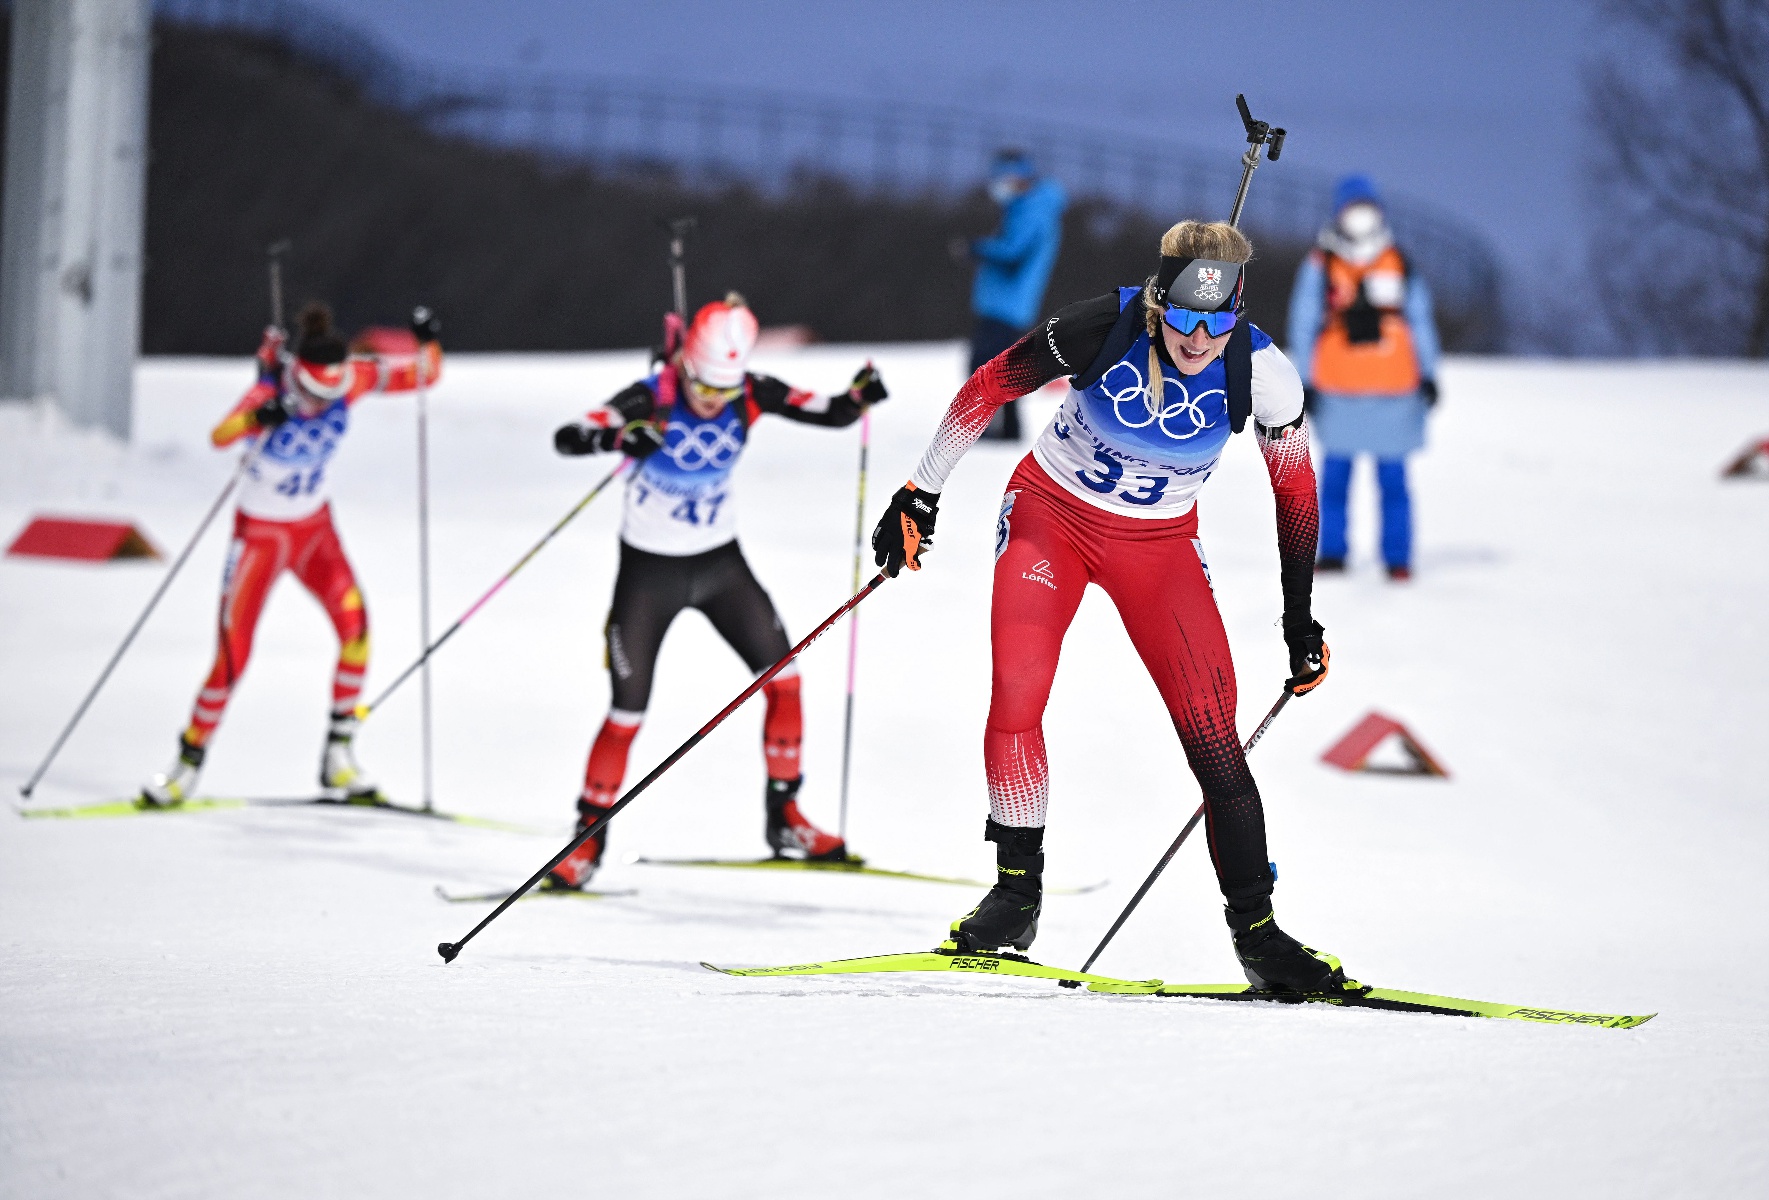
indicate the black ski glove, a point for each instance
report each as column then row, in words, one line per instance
column 906, row 531
column 640, row 439
column 1428, row 390
column 426, row 325
column 868, row 386
column 1308, row 655
column 272, row 412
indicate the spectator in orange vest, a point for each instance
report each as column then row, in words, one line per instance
column 1364, row 340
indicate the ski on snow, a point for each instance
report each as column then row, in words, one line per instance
column 1011, row 964
column 1379, row 998
column 933, row 960
column 533, row 893
column 851, row 866
column 135, row 808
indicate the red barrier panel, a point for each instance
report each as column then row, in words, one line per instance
column 1352, row 752
column 1753, row 460
column 86, row 541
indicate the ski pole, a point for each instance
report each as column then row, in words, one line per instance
column 1174, row 849
column 854, row 624
column 232, row 482
column 420, row 316
column 449, row 950
column 363, row 710
column 274, row 252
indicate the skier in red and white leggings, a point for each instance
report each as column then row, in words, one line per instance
column 1160, row 375
column 295, row 415
column 687, row 425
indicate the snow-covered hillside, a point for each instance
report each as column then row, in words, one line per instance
column 249, row 1003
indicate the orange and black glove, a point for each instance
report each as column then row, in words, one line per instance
column 906, row 531
column 1308, row 654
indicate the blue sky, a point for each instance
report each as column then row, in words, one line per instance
column 1474, row 107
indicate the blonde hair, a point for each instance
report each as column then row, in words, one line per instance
column 1189, row 239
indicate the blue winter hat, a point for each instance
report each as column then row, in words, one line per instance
column 1355, row 189
column 1012, row 163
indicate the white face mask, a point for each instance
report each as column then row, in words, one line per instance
column 1360, row 221
column 1004, row 188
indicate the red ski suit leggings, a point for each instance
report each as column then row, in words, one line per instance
column 1049, row 547
column 261, row 551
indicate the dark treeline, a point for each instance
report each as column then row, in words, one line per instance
column 250, row 145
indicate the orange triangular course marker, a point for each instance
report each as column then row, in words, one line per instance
column 1352, row 752
column 88, row 541
column 1752, row 462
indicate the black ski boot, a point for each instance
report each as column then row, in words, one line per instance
column 1273, row 961
column 1008, row 915
column 789, row 830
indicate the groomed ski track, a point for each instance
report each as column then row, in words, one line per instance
column 249, row 1003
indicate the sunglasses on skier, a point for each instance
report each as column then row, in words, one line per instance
column 706, row 391
column 1187, row 319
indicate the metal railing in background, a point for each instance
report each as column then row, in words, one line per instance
column 778, row 142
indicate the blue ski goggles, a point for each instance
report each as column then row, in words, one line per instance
column 1187, row 319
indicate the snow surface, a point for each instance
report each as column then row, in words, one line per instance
column 250, row 1003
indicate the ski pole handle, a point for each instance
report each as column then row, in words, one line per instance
column 449, row 950
column 1174, row 849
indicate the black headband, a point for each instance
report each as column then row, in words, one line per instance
column 1214, row 287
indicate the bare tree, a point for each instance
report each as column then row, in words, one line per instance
column 1681, row 176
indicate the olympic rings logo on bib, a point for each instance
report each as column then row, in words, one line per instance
column 701, row 446
column 1137, row 393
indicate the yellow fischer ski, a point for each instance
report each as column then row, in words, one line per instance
column 961, row 964
column 1379, row 998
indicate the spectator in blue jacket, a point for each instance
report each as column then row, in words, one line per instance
column 1013, row 267
column 1364, row 340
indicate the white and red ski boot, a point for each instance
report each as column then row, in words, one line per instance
column 579, row 867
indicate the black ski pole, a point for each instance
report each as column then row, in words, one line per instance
column 1173, row 849
column 274, row 252
column 274, row 257
column 449, row 950
column 363, row 710
column 128, row 638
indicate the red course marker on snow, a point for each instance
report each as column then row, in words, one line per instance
column 1352, row 752
column 87, row 541
column 1752, row 461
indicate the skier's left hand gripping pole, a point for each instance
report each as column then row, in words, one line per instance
column 363, row 710
column 449, row 950
column 274, row 259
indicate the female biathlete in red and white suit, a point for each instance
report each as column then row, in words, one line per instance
column 1108, row 496
column 688, row 425
column 295, row 416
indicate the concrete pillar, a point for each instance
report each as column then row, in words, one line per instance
column 75, row 189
